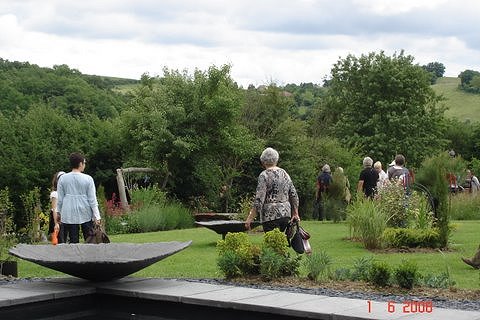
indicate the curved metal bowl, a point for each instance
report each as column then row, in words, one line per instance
column 98, row 262
column 224, row 226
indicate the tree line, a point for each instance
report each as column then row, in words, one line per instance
column 203, row 133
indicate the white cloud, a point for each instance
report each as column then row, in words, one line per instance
column 284, row 41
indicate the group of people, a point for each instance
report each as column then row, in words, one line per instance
column 276, row 199
column 73, row 201
column 373, row 177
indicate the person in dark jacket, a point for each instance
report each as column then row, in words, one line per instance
column 324, row 180
column 367, row 182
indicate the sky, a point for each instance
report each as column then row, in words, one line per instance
column 264, row 41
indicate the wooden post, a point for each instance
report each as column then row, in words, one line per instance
column 121, row 184
column 121, row 190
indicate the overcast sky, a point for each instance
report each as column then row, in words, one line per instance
column 285, row 41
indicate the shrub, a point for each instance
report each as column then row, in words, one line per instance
column 229, row 263
column 432, row 175
column 7, row 226
column 419, row 212
column 146, row 197
column 276, row 241
column 117, row 224
column 342, row 274
column 379, row 274
column 335, row 204
column 245, row 204
column 361, row 268
column 367, row 222
column 156, row 217
column 442, row 280
column 246, row 255
column 271, row 264
column 406, row 237
column 272, row 261
column 318, row 265
column 392, row 199
column 406, row 275
column 32, row 205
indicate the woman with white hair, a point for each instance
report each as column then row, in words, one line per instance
column 367, row 182
column 382, row 175
column 276, row 199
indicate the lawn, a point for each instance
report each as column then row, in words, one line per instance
column 461, row 105
column 199, row 260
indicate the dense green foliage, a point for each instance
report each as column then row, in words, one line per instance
column 432, row 175
column 151, row 211
column 318, row 265
column 380, row 273
column 237, row 256
column 470, row 81
column 203, row 133
column 411, row 238
column 406, row 274
column 367, row 222
column 63, row 89
column 436, row 70
column 7, row 227
column 384, row 106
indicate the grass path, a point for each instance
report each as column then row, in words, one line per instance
column 199, row 260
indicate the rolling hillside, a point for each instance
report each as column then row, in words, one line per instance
column 462, row 105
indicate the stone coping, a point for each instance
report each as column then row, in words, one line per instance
column 272, row 302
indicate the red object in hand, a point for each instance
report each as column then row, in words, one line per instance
column 55, row 237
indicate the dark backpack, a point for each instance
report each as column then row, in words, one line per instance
column 407, row 179
column 324, row 180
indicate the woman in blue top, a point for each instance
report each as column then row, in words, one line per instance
column 77, row 200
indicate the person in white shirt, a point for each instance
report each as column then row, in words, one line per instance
column 382, row 175
column 473, row 181
column 54, row 214
column 77, row 200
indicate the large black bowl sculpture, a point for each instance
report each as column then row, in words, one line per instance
column 98, row 262
column 224, row 226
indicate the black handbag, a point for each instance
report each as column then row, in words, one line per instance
column 297, row 238
column 97, row 235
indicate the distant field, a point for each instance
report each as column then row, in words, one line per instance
column 462, row 105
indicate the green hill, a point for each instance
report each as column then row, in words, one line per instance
column 461, row 105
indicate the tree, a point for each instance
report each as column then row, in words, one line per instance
column 188, row 127
column 436, row 69
column 383, row 106
column 470, row 81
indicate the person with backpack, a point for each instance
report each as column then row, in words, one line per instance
column 399, row 174
column 367, row 182
column 324, row 180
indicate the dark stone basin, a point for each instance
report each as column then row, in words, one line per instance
column 98, row 262
column 224, row 226
column 212, row 216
